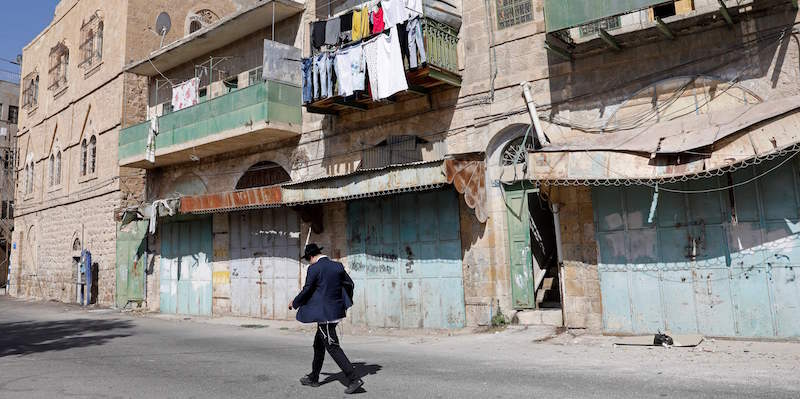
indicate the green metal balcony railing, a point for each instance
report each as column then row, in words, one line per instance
column 267, row 101
column 441, row 44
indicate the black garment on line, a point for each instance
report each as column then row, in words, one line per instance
column 402, row 32
column 326, row 339
column 346, row 22
column 318, row 34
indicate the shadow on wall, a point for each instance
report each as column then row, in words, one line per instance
column 30, row 337
column 588, row 85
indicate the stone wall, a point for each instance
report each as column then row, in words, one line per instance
column 582, row 301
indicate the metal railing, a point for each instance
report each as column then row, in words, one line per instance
column 441, row 44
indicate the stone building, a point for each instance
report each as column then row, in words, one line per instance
column 75, row 98
column 643, row 178
column 9, row 112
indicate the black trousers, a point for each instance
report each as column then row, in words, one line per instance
column 326, row 339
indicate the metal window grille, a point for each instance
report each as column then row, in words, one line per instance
column 609, row 23
column 91, row 47
column 59, row 63
column 30, row 93
column 254, row 76
column 513, row 12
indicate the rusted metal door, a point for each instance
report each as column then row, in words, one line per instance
column 185, row 272
column 404, row 254
column 719, row 263
column 131, row 262
column 265, row 266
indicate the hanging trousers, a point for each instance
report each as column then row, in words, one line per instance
column 326, row 339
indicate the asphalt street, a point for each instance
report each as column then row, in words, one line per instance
column 51, row 350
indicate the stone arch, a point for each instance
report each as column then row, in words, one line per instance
column 263, row 174
column 186, row 184
column 200, row 19
column 501, row 140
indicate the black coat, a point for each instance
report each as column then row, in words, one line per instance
column 327, row 294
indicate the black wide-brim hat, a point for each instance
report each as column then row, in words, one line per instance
column 311, row 250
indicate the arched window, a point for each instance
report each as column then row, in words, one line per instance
column 263, row 174
column 51, row 167
column 195, row 26
column 59, row 64
column 99, row 43
column 58, row 168
column 514, row 154
column 92, row 155
column 84, row 153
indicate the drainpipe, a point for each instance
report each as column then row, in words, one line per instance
column 526, row 91
column 560, row 256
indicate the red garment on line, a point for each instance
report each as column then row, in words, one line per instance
column 377, row 21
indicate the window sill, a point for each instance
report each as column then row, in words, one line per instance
column 92, row 70
column 32, row 110
column 55, row 188
column 85, row 178
column 60, row 91
column 28, row 197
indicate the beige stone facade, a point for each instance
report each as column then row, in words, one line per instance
column 484, row 115
column 77, row 101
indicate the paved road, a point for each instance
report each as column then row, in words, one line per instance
column 55, row 351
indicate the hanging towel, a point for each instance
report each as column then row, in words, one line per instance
column 377, row 21
column 318, row 34
column 332, row 30
column 387, row 74
column 184, row 95
column 394, row 12
column 150, row 151
column 350, row 68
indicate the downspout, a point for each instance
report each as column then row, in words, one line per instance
column 526, row 91
column 560, row 257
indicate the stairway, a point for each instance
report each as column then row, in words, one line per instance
column 548, row 296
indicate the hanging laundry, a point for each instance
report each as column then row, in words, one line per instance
column 415, row 42
column 377, row 21
column 414, row 8
column 318, row 34
column 361, row 23
column 385, row 65
column 308, row 86
column 346, row 27
column 150, row 150
column 394, row 12
column 185, row 94
column 322, row 79
column 350, row 69
column 332, row 30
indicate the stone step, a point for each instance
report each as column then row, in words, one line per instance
column 539, row 317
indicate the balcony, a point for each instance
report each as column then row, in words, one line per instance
column 440, row 70
column 258, row 114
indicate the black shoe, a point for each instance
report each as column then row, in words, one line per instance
column 354, row 386
column 310, row 382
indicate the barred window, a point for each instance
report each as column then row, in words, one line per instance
column 513, row 12
column 59, row 64
column 30, row 91
column 13, row 114
column 91, row 42
column 607, row 24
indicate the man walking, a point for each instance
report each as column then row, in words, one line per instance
column 324, row 300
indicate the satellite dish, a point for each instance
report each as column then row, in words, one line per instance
column 163, row 24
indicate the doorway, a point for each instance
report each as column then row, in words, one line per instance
column 533, row 253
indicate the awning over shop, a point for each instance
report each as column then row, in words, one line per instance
column 251, row 198
column 369, row 183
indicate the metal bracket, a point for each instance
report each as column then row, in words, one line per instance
column 557, row 51
column 324, row 111
column 609, row 40
column 723, row 9
column 664, row 29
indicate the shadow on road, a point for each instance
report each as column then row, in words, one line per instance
column 29, row 337
column 361, row 369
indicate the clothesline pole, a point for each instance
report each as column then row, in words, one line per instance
column 273, row 21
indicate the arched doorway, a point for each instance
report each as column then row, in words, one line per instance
column 262, row 174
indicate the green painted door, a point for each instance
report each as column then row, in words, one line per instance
column 523, row 295
column 185, row 273
column 131, row 262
